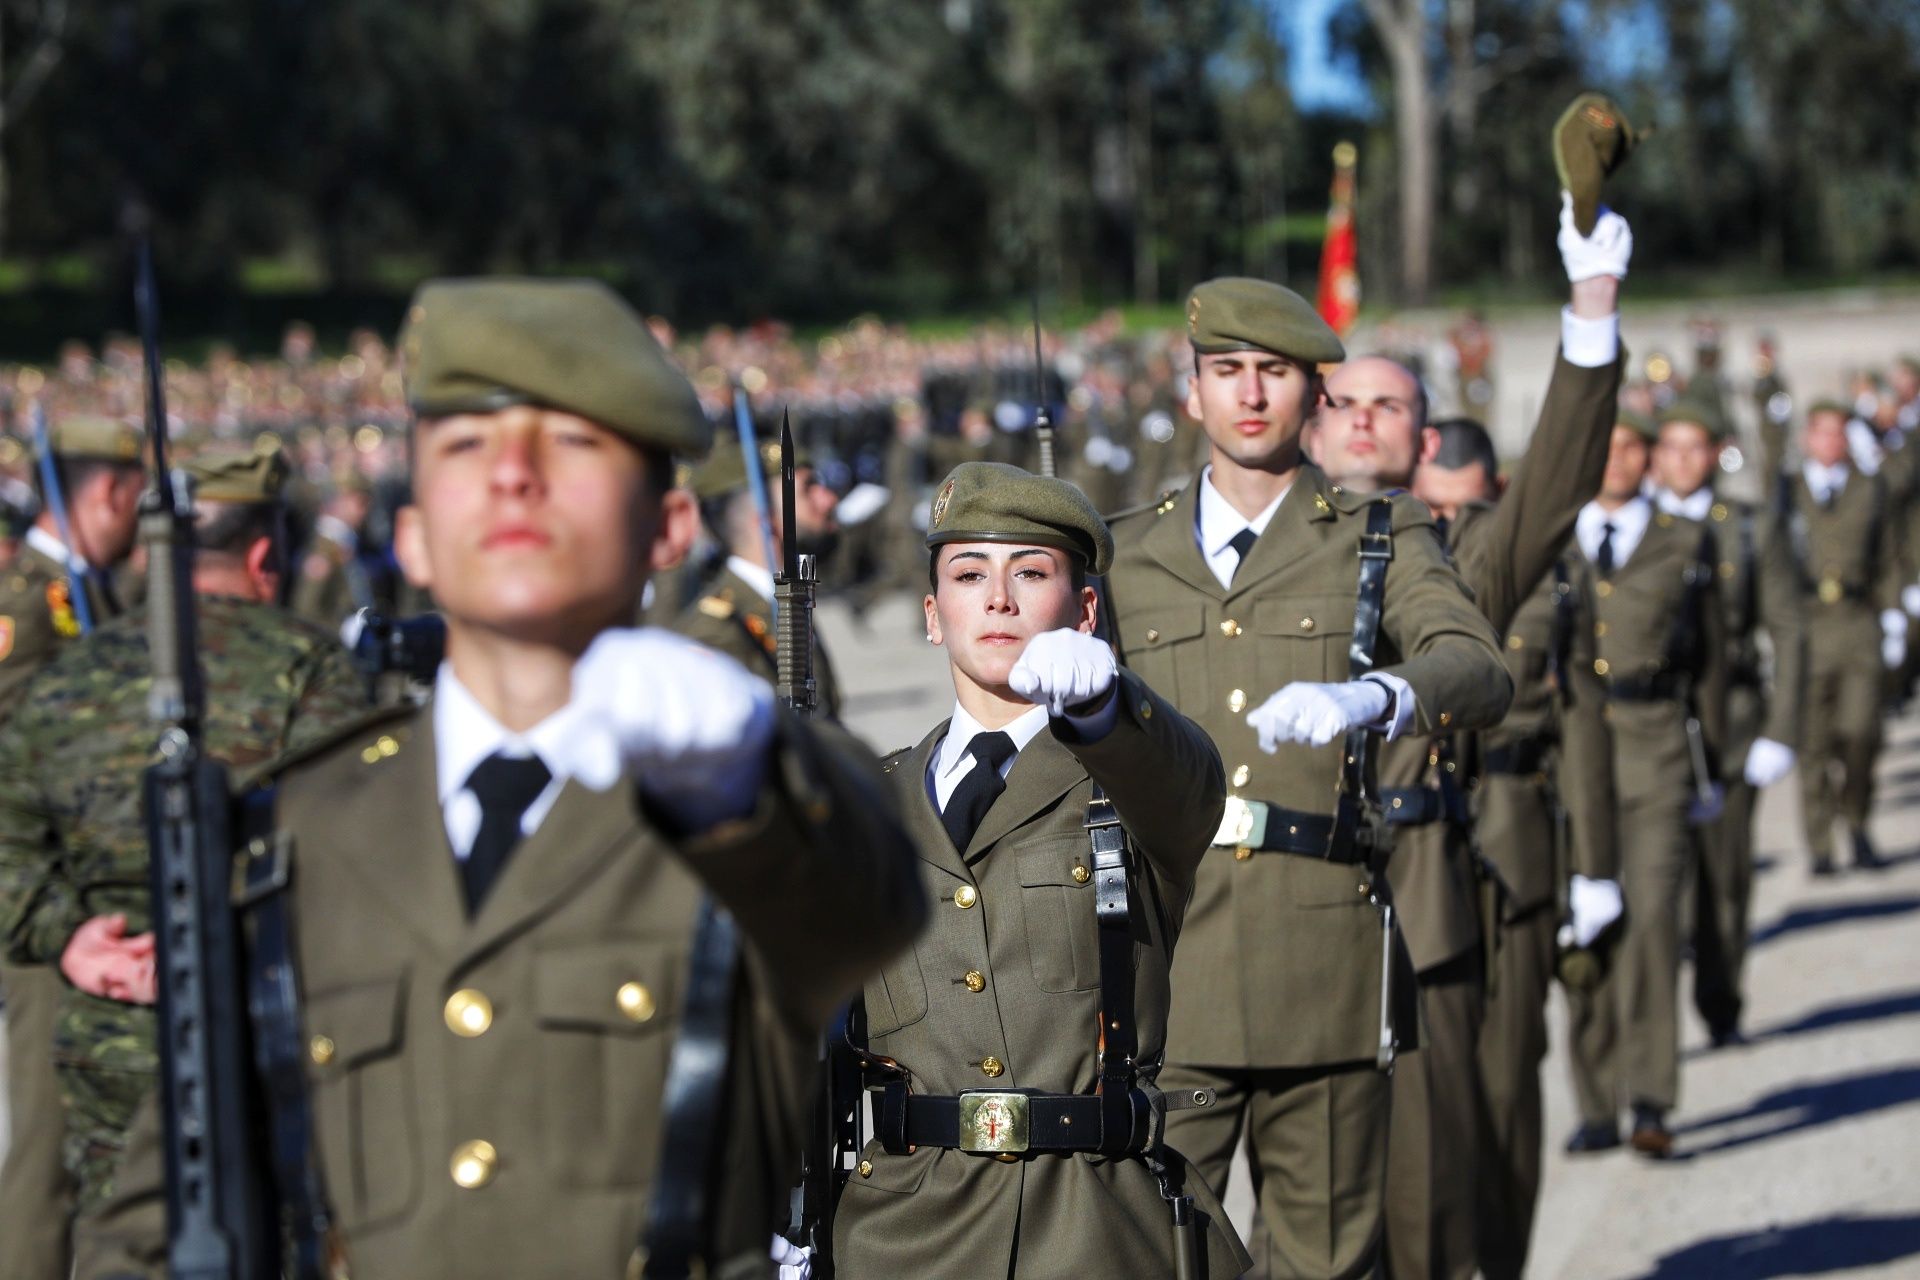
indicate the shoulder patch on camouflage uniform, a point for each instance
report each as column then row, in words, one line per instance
column 6, row 637
column 374, row 737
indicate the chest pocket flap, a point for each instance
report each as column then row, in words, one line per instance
column 622, row 988
column 356, row 1024
column 1056, row 898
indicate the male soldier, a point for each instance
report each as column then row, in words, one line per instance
column 494, row 894
column 1842, row 529
column 97, row 466
column 999, row 800
column 1759, row 590
column 734, row 611
column 332, row 583
column 1250, row 580
column 1369, row 437
column 73, row 846
column 1662, row 646
column 1543, row 816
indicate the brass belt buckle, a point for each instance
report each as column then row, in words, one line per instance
column 993, row 1124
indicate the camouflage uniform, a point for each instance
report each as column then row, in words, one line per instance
column 72, row 844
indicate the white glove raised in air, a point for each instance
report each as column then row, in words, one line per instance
column 1604, row 253
column 1064, row 669
column 691, row 726
column 1767, row 762
column 1318, row 713
column 1595, row 904
column 795, row 1263
column 1893, row 638
column 1910, row 599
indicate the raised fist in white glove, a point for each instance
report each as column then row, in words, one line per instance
column 1767, row 762
column 1064, row 669
column 795, row 1262
column 1893, row 638
column 1604, row 253
column 1317, row 713
column 1595, row 904
column 691, row 726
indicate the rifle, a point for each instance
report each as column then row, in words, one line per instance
column 220, row 1223
column 834, row 1127
column 756, row 477
column 57, row 506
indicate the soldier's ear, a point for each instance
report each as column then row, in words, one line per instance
column 1429, row 445
column 410, row 547
column 673, row 537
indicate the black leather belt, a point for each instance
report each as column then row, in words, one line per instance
column 1661, row 688
column 1522, row 756
column 1260, row 827
column 1006, row 1123
column 1418, row 806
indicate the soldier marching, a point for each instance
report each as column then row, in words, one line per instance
column 1268, row 810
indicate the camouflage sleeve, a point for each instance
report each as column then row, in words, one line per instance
column 39, row 908
column 328, row 690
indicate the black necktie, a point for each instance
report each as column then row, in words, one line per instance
column 1242, row 542
column 505, row 785
column 979, row 789
column 1604, row 561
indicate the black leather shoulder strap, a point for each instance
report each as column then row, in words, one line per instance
column 1122, row 1107
column 675, row 1239
column 1376, row 554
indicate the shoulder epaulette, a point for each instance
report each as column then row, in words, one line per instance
column 717, row 605
column 1159, row 506
column 378, row 735
column 891, row 761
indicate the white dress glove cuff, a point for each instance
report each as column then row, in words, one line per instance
column 1590, row 344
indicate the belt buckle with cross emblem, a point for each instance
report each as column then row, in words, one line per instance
column 993, row 1124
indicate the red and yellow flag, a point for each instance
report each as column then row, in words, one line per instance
column 1339, row 300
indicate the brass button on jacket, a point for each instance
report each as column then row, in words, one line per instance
column 468, row 1013
column 473, row 1164
column 635, row 1001
column 992, row 1068
column 320, row 1049
column 965, row 896
column 975, row 980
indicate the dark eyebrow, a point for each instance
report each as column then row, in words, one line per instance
column 1031, row 551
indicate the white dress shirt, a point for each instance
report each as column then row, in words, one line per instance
column 954, row 758
column 1697, row 505
column 755, row 576
column 1216, row 524
column 1825, row 482
column 465, row 733
column 1629, row 526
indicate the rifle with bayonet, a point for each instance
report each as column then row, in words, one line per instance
column 221, row 1223
column 1042, row 415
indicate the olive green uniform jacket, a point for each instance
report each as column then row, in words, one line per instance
column 36, row 618
column 566, row 989
column 729, row 615
column 1014, row 916
column 1280, row 965
column 1502, row 552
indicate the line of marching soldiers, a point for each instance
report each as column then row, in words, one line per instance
column 1265, row 815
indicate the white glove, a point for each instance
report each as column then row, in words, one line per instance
column 795, row 1262
column 691, row 726
column 1767, row 762
column 1317, row 713
column 1910, row 599
column 1893, row 638
column 1707, row 808
column 1064, row 668
column 1604, row 253
column 1596, row 904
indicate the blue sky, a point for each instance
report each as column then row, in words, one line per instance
column 1318, row 83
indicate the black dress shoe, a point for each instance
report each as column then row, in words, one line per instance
column 1824, row 868
column 1864, row 856
column 1589, row 1138
column 1727, row 1037
column 1650, row 1135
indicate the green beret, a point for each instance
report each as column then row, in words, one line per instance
column 1698, row 412
column 230, row 476
column 725, row 470
column 994, row 502
column 1238, row 313
column 1830, row 406
column 1639, row 422
column 1590, row 140
column 1910, row 363
column 97, row 439
column 476, row 346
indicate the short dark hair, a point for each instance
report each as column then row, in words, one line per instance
column 231, row 528
column 1076, row 571
column 1464, row 442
